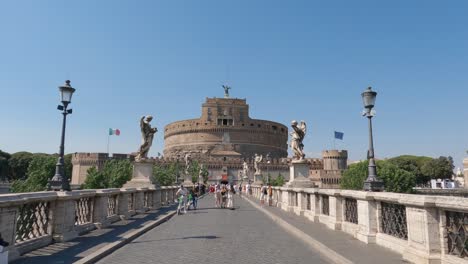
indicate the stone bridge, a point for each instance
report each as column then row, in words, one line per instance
column 302, row 226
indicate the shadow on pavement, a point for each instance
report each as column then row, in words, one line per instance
column 179, row 238
column 75, row 249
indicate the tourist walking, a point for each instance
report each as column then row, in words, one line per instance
column 223, row 196
column 217, row 191
column 270, row 195
column 181, row 195
column 263, row 194
column 192, row 198
column 230, row 198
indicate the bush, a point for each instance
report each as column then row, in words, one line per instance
column 278, row 181
column 41, row 168
column 394, row 178
column 19, row 163
column 114, row 174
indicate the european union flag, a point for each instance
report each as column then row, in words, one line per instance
column 339, row 135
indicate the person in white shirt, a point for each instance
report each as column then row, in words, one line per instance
column 263, row 194
column 182, row 196
column 218, row 195
column 230, row 198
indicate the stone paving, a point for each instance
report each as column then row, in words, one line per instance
column 74, row 250
column 342, row 243
column 221, row 236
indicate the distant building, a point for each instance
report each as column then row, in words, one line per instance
column 82, row 162
column 222, row 139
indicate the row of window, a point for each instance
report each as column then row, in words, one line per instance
column 230, row 122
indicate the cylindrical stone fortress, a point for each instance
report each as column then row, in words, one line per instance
column 225, row 130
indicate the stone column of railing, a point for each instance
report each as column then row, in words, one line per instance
column 61, row 210
column 140, row 200
column 79, row 204
column 170, row 195
column 274, row 201
column 174, row 196
column 157, row 198
column 300, row 203
column 284, row 198
column 101, row 205
column 124, row 209
column 313, row 213
column 360, row 215
column 164, row 195
column 335, row 209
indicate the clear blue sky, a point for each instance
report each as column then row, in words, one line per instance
column 305, row 60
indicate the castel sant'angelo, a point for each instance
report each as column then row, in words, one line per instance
column 222, row 138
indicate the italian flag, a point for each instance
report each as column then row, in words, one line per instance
column 114, row 132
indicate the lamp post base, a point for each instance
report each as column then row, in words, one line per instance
column 58, row 185
column 374, row 186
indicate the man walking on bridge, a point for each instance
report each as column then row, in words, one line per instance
column 182, row 197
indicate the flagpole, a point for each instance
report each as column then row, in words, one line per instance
column 108, row 139
column 334, row 140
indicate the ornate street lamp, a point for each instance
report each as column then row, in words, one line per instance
column 177, row 170
column 268, row 159
column 60, row 181
column 372, row 183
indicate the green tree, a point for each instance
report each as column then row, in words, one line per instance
column 95, row 179
column 441, row 167
column 205, row 174
column 278, row 181
column 412, row 164
column 68, row 168
column 41, row 168
column 165, row 175
column 114, row 174
column 353, row 178
column 394, row 178
column 194, row 170
column 19, row 163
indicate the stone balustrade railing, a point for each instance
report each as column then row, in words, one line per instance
column 29, row 221
column 424, row 229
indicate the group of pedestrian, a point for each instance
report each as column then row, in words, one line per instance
column 187, row 198
column 266, row 193
column 224, row 195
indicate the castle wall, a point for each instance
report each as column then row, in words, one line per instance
column 335, row 160
column 82, row 162
column 225, row 122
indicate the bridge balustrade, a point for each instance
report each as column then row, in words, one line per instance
column 423, row 228
column 29, row 221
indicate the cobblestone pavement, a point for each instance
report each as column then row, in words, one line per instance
column 74, row 250
column 221, row 236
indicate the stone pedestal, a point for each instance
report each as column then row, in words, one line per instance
column 188, row 180
column 299, row 175
column 142, row 176
column 258, row 179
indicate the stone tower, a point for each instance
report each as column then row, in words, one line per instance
column 465, row 172
column 334, row 163
column 335, row 160
column 84, row 161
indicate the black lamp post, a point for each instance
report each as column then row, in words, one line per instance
column 60, row 181
column 268, row 159
column 372, row 183
column 177, row 170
